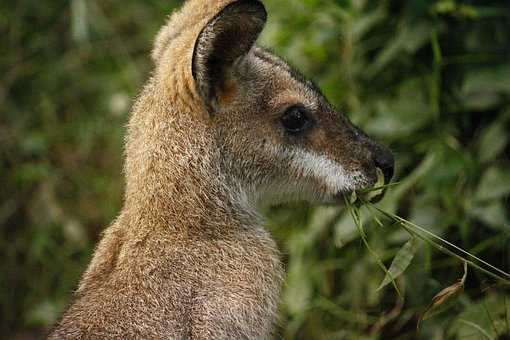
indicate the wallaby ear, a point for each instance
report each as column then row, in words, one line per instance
column 228, row 37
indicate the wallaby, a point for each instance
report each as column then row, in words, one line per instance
column 221, row 128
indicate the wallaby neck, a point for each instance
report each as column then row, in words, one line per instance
column 178, row 183
column 179, row 207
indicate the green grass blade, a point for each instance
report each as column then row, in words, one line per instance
column 359, row 225
column 440, row 243
column 379, row 187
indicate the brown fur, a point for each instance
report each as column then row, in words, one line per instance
column 188, row 258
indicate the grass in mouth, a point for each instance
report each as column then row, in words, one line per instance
column 362, row 200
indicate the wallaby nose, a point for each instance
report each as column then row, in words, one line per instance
column 385, row 161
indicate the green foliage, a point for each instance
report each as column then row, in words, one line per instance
column 431, row 79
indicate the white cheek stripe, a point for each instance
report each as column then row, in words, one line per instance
column 332, row 175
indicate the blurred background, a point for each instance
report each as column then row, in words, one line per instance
column 431, row 79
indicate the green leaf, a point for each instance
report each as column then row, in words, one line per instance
column 478, row 328
column 408, row 40
column 494, row 184
column 403, row 113
column 400, row 263
column 492, row 214
column 444, row 6
column 483, row 88
column 492, row 142
column 494, row 79
column 486, row 313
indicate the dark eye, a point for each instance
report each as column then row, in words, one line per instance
column 296, row 119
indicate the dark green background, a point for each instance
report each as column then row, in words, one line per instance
column 431, row 79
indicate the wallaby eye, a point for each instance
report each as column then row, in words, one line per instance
column 296, row 119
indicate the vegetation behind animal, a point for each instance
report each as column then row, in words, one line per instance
column 439, row 67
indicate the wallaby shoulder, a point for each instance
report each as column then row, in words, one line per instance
column 160, row 285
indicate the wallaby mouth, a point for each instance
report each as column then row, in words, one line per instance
column 385, row 164
column 385, row 168
column 372, row 194
column 375, row 193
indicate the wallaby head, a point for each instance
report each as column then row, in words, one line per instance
column 278, row 137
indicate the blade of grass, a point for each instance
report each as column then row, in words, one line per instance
column 421, row 229
column 378, row 221
column 444, row 249
column 403, row 222
column 359, row 225
column 389, row 185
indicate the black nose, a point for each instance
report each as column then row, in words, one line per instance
column 385, row 161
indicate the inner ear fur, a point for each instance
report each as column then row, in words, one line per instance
column 227, row 38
